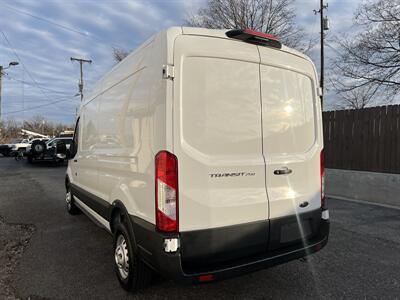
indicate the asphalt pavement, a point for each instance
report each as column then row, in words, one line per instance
column 69, row 257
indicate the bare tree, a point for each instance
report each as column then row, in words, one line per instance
column 355, row 98
column 11, row 129
column 368, row 62
column 41, row 125
column 119, row 54
column 8, row 130
column 276, row 17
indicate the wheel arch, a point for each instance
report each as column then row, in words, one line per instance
column 118, row 212
column 67, row 181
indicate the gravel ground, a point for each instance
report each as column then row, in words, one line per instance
column 14, row 238
column 68, row 257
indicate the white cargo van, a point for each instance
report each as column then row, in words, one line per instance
column 202, row 153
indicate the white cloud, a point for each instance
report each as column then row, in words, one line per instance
column 45, row 49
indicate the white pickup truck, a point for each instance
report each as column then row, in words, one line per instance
column 20, row 146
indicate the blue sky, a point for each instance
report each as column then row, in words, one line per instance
column 47, row 81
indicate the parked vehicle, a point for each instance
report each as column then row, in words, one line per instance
column 56, row 150
column 5, row 149
column 29, row 147
column 19, row 148
column 53, row 142
column 202, row 154
column 67, row 133
column 49, row 142
column 15, row 145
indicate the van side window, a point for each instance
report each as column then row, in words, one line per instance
column 76, row 136
column 89, row 122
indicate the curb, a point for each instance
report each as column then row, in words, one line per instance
column 363, row 202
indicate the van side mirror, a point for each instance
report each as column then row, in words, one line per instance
column 72, row 150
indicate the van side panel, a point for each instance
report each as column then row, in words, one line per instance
column 217, row 137
column 85, row 173
column 125, row 121
column 124, row 148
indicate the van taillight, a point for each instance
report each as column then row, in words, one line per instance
column 166, row 192
column 322, row 180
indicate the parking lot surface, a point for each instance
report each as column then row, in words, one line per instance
column 68, row 257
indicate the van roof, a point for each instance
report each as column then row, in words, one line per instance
column 221, row 33
column 171, row 33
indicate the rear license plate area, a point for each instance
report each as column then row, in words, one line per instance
column 295, row 231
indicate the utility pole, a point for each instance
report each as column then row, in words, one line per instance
column 81, row 61
column 324, row 26
column 12, row 63
column 1, row 83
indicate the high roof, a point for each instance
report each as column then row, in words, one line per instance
column 221, row 33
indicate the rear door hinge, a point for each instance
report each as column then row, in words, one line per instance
column 319, row 91
column 168, row 71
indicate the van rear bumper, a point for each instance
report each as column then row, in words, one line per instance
column 150, row 246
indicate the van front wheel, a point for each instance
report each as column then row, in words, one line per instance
column 132, row 273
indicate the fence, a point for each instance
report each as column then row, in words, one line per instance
column 363, row 139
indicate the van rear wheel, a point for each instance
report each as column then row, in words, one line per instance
column 132, row 273
column 69, row 199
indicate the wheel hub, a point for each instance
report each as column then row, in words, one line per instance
column 122, row 257
column 68, row 198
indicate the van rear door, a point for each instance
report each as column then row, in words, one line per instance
column 292, row 144
column 223, row 205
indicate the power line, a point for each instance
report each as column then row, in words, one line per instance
column 30, row 75
column 34, row 107
column 85, row 34
column 38, row 100
column 44, row 20
column 23, row 65
column 68, row 28
column 28, row 83
column 34, row 100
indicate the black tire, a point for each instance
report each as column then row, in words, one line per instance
column 69, row 199
column 138, row 274
column 19, row 155
column 38, row 148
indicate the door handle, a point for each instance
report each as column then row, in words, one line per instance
column 75, row 160
column 283, row 171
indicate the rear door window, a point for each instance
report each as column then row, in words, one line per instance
column 288, row 111
column 221, row 107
